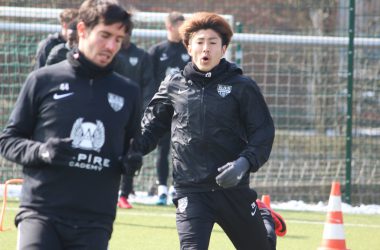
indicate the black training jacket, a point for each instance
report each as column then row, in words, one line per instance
column 167, row 57
column 100, row 111
column 214, row 117
column 136, row 64
column 44, row 48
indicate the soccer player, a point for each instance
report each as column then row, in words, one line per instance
column 167, row 56
column 59, row 52
column 70, row 127
column 136, row 64
column 221, row 131
column 66, row 17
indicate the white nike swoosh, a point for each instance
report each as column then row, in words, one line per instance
column 57, row 96
column 182, row 91
column 240, row 176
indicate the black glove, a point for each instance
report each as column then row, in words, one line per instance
column 132, row 162
column 56, row 151
column 232, row 172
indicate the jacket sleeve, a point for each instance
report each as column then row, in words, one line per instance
column 15, row 141
column 133, row 129
column 258, row 124
column 157, row 118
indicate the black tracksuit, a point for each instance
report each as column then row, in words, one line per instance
column 167, row 57
column 44, row 48
column 100, row 111
column 135, row 64
column 215, row 118
column 58, row 54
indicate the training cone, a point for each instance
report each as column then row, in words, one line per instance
column 266, row 199
column 333, row 233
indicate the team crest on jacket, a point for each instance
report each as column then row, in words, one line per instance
column 133, row 61
column 182, row 204
column 224, row 90
column 185, row 57
column 88, row 135
column 116, row 102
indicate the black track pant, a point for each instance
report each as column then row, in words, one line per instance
column 43, row 233
column 162, row 161
column 126, row 185
column 235, row 211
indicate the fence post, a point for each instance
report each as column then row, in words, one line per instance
column 350, row 83
column 239, row 52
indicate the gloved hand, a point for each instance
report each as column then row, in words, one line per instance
column 232, row 172
column 132, row 162
column 56, row 151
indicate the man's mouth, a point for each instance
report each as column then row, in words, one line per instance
column 205, row 59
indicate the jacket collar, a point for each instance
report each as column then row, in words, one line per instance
column 87, row 68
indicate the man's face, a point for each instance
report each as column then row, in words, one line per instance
column 205, row 49
column 101, row 43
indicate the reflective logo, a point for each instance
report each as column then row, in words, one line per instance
column 88, row 135
column 182, row 91
column 208, row 75
column 224, row 90
column 182, row 204
column 116, row 102
column 133, row 61
column 254, row 208
column 57, row 96
column 164, row 57
column 185, row 57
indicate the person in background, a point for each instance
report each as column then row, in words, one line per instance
column 221, row 132
column 59, row 52
column 135, row 64
column 167, row 56
column 66, row 17
column 70, row 129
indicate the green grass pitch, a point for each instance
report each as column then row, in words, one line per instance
column 151, row 227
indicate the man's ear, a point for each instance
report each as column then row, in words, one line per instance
column 189, row 49
column 224, row 49
column 81, row 29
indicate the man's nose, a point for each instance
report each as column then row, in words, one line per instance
column 112, row 45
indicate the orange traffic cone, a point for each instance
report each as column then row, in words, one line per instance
column 333, row 233
column 266, row 199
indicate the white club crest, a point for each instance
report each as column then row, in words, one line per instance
column 133, row 61
column 254, row 208
column 116, row 102
column 182, row 204
column 88, row 135
column 224, row 90
column 185, row 57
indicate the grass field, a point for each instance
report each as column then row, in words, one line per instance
column 150, row 227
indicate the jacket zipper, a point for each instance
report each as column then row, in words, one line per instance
column 203, row 112
column 91, row 88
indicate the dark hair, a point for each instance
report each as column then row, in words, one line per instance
column 93, row 12
column 68, row 15
column 206, row 20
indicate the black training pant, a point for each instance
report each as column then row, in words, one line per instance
column 36, row 233
column 235, row 211
column 162, row 161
